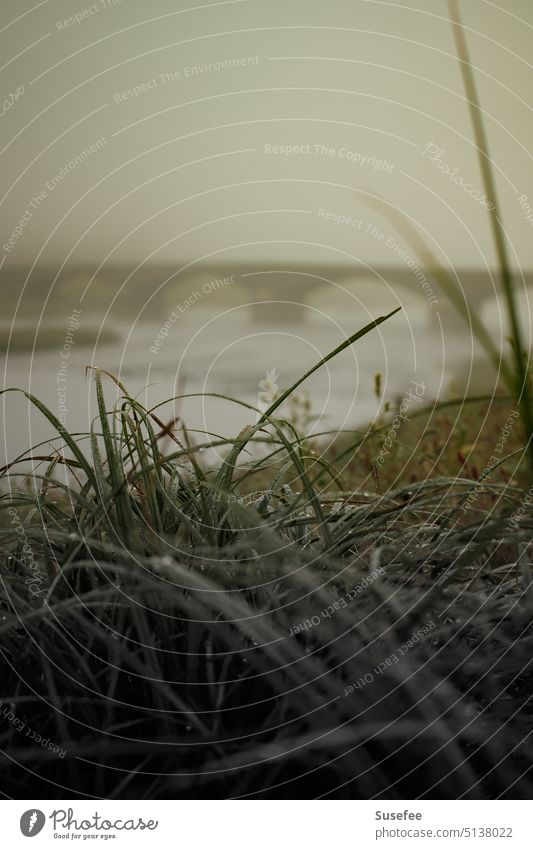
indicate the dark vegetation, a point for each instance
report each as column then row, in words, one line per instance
column 177, row 630
column 294, row 622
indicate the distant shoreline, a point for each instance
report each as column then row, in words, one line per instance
column 20, row 338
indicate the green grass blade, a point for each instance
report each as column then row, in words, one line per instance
column 56, row 424
column 338, row 350
column 521, row 357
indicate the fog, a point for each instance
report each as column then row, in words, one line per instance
column 151, row 151
column 222, row 129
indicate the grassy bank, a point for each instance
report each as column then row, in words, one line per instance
column 282, row 625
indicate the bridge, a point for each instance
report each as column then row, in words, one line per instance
column 298, row 293
column 274, row 294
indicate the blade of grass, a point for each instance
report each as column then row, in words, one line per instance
column 448, row 285
column 347, row 342
column 60, row 428
column 117, row 477
column 247, row 433
column 521, row 358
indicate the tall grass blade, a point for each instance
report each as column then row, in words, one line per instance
column 521, row 357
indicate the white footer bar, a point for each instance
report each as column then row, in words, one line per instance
column 267, row 824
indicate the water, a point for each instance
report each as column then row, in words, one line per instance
column 230, row 354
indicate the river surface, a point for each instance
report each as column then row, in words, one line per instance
column 230, row 355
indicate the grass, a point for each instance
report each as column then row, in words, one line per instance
column 455, row 438
column 260, row 628
column 300, row 620
column 519, row 352
column 514, row 367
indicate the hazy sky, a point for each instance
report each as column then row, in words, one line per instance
column 166, row 131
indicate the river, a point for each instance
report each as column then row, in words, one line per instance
column 230, row 355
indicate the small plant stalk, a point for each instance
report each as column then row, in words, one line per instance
column 521, row 357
